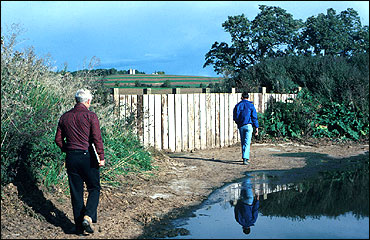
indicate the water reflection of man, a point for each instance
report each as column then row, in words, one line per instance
column 246, row 209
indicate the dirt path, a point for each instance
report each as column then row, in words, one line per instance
column 181, row 181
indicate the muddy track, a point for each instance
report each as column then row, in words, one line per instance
column 144, row 204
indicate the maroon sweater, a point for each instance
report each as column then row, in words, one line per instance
column 80, row 127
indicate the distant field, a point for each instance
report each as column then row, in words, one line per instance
column 139, row 91
column 128, row 81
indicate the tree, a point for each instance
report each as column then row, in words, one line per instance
column 268, row 35
column 138, row 83
column 274, row 33
column 334, row 34
column 166, row 84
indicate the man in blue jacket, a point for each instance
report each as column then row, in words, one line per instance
column 245, row 116
column 246, row 209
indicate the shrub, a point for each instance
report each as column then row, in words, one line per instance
column 166, row 84
column 290, row 119
column 307, row 116
column 29, row 109
column 336, row 120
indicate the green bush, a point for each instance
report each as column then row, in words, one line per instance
column 166, row 84
column 287, row 120
column 28, row 109
column 336, row 120
column 307, row 117
column 123, row 151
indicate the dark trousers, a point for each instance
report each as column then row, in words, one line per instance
column 80, row 169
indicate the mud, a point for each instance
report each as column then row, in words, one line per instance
column 144, row 204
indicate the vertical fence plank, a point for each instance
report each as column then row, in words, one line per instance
column 222, row 119
column 191, row 120
column 231, row 122
column 164, row 120
column 139, row 119
column 217, row 120
column 239, row 96
column 260, row 102
column 151, row 119
column 184, row 123
column 116, row 96
column 255, row 101
column 284, row 98
column 133, row 115
column 146, row 120
column 208, row 120
column 122, row 107
column 226, row 121
column 157, row 122
column 196, row 122
column 235, row 127
column 128, row 107
column 203, row 120
column 171, row 123
column 213, row 120
column 265, row 97
column 178, row 122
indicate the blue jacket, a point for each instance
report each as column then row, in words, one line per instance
column 246, row 215
column 245, row 113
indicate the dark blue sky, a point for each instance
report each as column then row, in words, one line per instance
column 149, row 36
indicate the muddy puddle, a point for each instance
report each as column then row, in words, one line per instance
column 272, row 204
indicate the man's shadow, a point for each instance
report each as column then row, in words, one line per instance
column 31, row 195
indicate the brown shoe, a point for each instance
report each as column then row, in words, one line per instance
column 87, row 224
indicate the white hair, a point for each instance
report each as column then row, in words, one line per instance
column 82, row 95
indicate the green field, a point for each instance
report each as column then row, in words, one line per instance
column 129, row 81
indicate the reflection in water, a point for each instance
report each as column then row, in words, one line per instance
column 246, row 209
column 330, row 194
column 333, row 205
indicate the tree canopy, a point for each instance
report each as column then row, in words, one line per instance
column 275, row 33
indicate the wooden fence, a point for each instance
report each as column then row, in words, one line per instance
column 184, row 122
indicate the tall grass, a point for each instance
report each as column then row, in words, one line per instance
column 33, row 97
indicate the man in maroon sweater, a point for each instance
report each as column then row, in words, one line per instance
column 77, row 130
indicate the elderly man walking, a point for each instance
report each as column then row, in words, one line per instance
column 245, row 116
column 77, row 130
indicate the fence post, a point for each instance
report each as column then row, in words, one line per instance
column 116, row 96
column 176, row 90
column 206, row 90
column 263, row 90
column 264, row 97
column 147, row 91
column 233, row 90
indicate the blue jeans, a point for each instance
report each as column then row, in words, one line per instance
column 246, row 193
column 246, row 137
